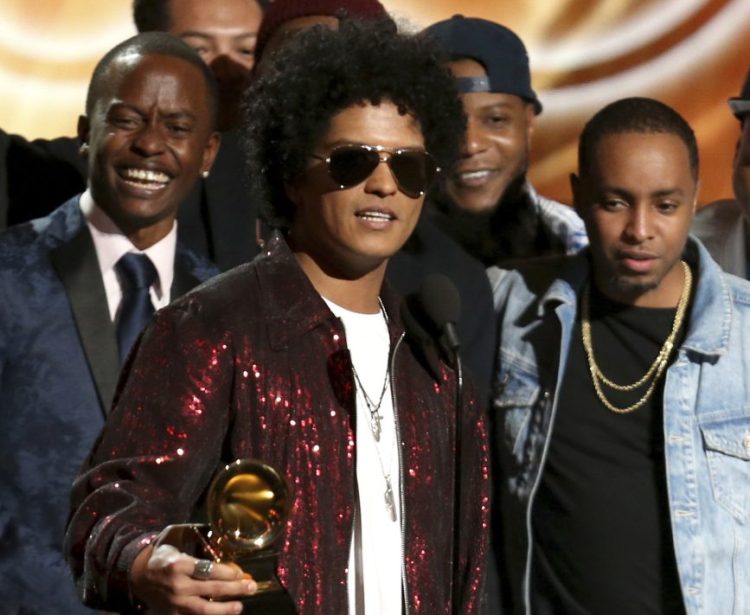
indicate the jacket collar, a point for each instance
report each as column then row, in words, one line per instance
column 293, row 307
column 711, row 308
column 567, row 284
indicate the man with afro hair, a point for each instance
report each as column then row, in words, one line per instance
column 300, row 359
column 430, row 249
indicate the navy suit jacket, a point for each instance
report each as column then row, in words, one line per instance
column 58, row 372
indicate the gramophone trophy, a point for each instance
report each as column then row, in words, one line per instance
column 247, row 506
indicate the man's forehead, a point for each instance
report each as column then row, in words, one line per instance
column 638, row 141
column 120, row 68
column 623, row 152
column 205, row 16
column 133, row 64
column 175, row 75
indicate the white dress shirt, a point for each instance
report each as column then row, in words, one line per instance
column 111, row 244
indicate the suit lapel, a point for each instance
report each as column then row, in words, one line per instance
column 76, row 264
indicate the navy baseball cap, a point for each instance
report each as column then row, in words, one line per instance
column 495, row 47
column 740, row 105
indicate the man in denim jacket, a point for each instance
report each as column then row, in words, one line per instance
column 622, row 399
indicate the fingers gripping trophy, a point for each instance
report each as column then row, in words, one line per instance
column 247, row 506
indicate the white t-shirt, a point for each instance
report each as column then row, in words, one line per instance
column 376, row 552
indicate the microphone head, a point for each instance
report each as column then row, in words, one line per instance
column 440, row 300
column 416, row 325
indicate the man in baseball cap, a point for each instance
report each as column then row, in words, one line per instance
column 724, row 225
column 486, row 201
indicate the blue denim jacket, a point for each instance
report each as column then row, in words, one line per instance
column 706, row 423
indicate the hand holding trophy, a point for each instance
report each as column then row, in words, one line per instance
column 247, row 506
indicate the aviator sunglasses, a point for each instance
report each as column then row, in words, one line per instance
column 349, row 165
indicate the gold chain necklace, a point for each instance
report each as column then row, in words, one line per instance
column 657, row 367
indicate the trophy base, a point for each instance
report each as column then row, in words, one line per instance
column 271, row 597
column 271, row 603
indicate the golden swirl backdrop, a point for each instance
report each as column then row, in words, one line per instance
column 691, row 54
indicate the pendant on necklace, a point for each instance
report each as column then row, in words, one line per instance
column 390, row 502
column 375, row 425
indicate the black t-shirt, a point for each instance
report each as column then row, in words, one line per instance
column 602, row 538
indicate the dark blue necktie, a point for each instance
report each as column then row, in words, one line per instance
column 136, row 273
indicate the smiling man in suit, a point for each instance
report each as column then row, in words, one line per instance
column 79, row 285
column 218, row 217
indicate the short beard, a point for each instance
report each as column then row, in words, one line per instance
column 506, row 232
column 620, row 286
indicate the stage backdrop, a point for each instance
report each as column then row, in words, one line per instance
column 691, row 54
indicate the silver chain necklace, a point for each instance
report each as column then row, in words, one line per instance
column 376, row 428
column 372, row 407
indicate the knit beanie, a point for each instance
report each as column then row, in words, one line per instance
column 281, row 11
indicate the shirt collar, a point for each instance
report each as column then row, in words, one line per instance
column 111, row 244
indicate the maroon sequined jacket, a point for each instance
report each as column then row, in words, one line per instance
column 254, row 364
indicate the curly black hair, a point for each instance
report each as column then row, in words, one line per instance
column 639, row 115
column 323, row 71
column 153, row 15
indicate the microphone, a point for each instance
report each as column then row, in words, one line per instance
column 441, row 304
column 430, row 316
column 420, row 330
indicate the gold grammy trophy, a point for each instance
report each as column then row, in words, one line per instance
column 247, row 507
